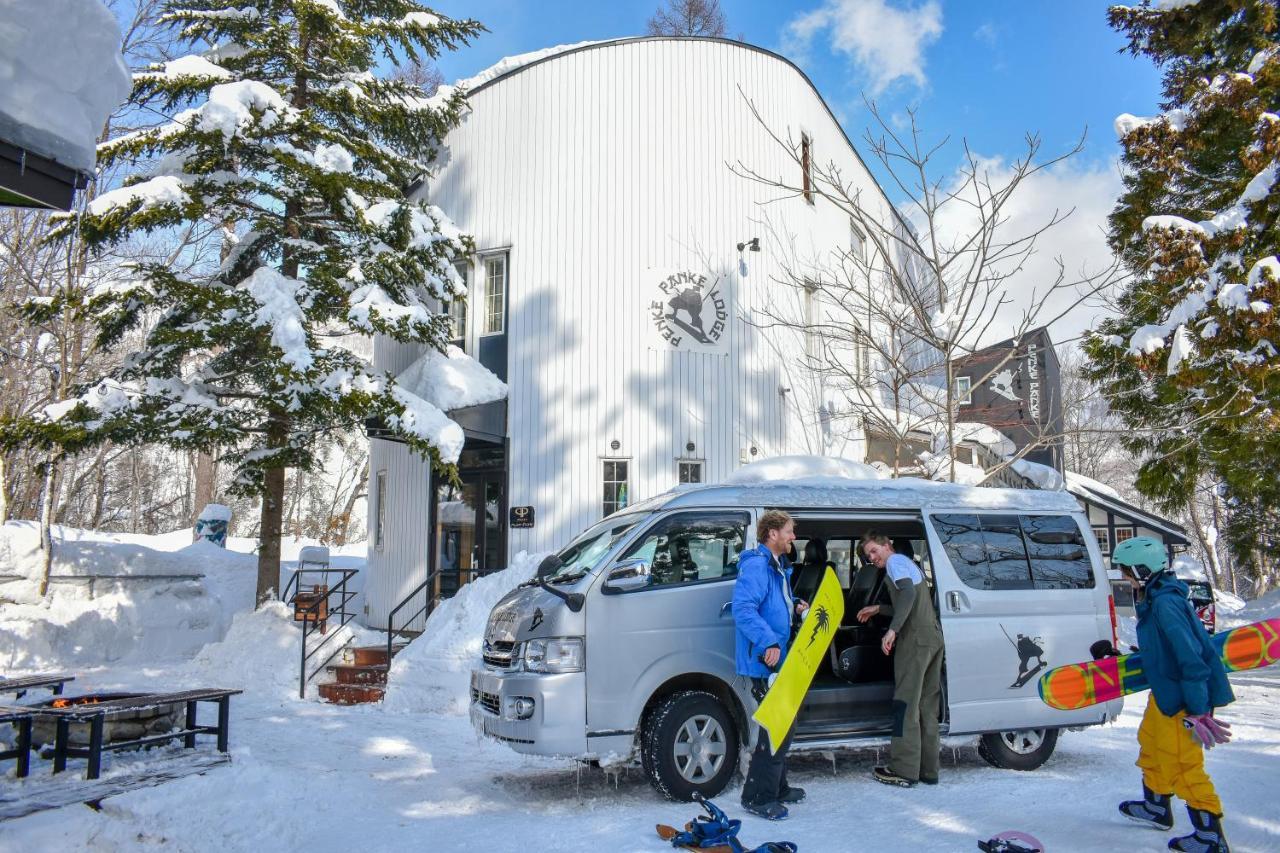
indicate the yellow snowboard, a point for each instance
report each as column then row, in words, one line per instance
column 777, row 713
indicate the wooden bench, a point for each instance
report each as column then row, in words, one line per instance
column 95, row 715
column 20, row 686
column 21, row 718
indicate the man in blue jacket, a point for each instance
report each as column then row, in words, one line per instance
column 762, row 612
column 1188, row 681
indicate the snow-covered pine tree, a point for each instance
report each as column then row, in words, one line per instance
column 1191, row 361
column 287, row 132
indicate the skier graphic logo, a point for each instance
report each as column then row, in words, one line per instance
column 1028, row 649
column 537, row 618
column 821, row 622
column 1002, row 384
column 691, row 313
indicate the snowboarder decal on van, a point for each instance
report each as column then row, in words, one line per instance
column 1027, row 648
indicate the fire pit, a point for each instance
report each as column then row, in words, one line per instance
column 118, row 725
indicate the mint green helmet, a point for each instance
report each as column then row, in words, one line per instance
column 1144, row 556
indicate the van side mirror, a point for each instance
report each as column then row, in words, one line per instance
column 549, row 565
column 628, row 575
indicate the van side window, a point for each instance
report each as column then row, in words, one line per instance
column 986, row 551
column 1058, row 555
column 692, row 546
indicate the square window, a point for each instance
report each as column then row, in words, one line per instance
column 1123, row 533
column 689, row 472
column 495, row 294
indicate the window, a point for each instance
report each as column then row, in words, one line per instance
column 692, row 546
column 495, row 294
column 806, row 167
column 1123, row 533
column 458, row 308
column 688, row 471
column 861, row 353
column 810, row 320
column 1104, row 540
column 1056, row 552
column 857, row 242
column 964, row 390
column 1016, row 552
column 380, row 510
column 616, row 490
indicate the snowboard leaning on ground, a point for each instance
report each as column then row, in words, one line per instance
column 777, row 711
column 1079, row 685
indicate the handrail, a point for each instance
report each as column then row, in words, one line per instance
column 311, row 625
column 426, row 608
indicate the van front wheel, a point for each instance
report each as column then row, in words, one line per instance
column 1018, row 749
column 689, row 746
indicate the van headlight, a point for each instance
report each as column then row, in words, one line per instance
column 557, row 654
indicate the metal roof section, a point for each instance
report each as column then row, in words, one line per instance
column 1172, row 529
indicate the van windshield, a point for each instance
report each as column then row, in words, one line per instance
column 585, row 552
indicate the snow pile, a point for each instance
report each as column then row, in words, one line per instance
column 451, row 380
column 938, row 466
column 1042, row 476
column 61, row 77
column 1189, row 568
column 433, row 673
column 1080, row 481
column 1227, row 602
column 801, row 467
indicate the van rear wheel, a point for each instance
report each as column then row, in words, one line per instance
column 689, row 746
column 1018, row 749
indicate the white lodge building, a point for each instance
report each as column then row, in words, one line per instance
column 610, row 292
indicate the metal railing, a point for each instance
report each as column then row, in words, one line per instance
column 427, row 607
column 311, row 616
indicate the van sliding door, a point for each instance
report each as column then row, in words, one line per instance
column 1017, row 595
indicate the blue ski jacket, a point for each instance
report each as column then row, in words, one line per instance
column 761, row 609
column 1184, row 669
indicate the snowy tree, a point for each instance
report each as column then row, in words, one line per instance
column 1190, row 362
column 282, row 127
column 688, row 18
column 889, row 315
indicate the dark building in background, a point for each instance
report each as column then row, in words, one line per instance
column 1017, row 391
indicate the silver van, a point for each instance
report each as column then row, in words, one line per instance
column 624, row 644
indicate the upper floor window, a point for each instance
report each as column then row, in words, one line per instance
column 806, row 167
column 857, row 242
column 380, row 510
column 964, row 390
column 811, row 320
column 495, row 295
column 458, row 308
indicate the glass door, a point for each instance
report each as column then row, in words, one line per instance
column 470, row 525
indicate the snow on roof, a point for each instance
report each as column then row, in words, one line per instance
column 61, row 77
column 511, row 63
column 1043, row 476
column 1080, row 481
column 794, row 467
column 451, row 380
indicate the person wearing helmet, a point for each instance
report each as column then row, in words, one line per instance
column 1188, row 681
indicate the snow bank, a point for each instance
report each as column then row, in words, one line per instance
column 1266, row 607
column 433, row 673
column 61, row 77
column 1043, row 476
column 797, row 467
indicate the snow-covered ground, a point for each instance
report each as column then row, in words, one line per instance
column 411, row 774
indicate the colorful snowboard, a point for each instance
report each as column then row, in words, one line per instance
column 777, row 713
column 1079, row 685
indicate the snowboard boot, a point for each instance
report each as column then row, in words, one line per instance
column 791, row 795
column 769, row 811
column 1155, row 810
column 1208, row 836
column 888, row 777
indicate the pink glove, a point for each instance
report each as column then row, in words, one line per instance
column 1207, row 730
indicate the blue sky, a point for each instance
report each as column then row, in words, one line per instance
column 987, row 71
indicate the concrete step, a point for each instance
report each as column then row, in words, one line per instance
column 350, row 694
column 370, row 655
column 346, row 673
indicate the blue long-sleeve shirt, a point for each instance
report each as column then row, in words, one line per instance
column 761, row 609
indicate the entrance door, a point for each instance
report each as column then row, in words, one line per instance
column 470, row 521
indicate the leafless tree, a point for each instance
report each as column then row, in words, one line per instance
column 424, row 75
column 688, row 18
column 887, row 316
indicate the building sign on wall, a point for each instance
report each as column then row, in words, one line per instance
column 691, row 311
column 521, row 516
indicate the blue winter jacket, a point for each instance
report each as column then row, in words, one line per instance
column 1184, row 669
column 761, row 609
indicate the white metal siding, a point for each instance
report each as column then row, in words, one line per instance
column 605, row 170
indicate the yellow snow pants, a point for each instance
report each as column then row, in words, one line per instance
column 1172, row 760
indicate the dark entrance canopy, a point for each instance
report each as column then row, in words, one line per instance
column 29, row 180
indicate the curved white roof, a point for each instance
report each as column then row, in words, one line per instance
column 905, row 493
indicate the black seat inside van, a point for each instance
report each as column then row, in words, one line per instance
column 808, row 575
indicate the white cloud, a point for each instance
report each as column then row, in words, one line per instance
column 1091, row 190
column 987, row 34
column 885, row 42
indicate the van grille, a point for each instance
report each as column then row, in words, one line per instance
column 499, row 655
column 489, row 701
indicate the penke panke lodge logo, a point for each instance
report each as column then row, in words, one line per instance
column 691, row 311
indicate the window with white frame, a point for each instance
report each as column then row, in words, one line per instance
column 689, row 470
column 964, row 390
column 380, row 510
column 1104, row 540
column 616, row 485
column 495, row 294
column 458, row 308
column 810, row 320
column 857, row 241
column 861, row 353
column 806, row 167
column 1124, row 533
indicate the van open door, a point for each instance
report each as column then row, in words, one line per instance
column 1018, row 594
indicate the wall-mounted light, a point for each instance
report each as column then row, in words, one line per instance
column 690, row 447
column 754, row 451
column 753, row 244
column 615, row 444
